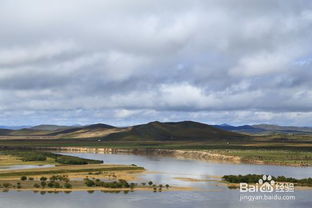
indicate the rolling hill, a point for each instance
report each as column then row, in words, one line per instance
column 175, row 131
column 47, row 127
column 153, row 131
column 94, row 130
column 54, row 131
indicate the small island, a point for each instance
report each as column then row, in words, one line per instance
column 233, row 181
column 69, row 174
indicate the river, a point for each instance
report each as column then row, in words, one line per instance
column 166, row 170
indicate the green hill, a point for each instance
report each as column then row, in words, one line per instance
column 175, row 131
column 154, row 131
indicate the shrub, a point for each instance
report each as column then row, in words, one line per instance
column 43, row 184
column 23, row 178
column 57, row 185
column 67, row 185
column 89, row 183
column 7, row 185
column 51, row 184
column 53, row 178
column 43, row 178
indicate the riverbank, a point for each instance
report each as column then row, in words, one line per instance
column 268, row 157
column 108, row 177
column 71, row 169
column 173, row 188
column 249, row 155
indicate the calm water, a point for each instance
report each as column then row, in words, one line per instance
column 164, row 170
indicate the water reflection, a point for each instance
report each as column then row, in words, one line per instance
column 143, row 199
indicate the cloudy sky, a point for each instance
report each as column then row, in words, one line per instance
column 127, row 62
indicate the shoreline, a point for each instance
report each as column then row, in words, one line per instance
column 202, row 155
column 173, row 188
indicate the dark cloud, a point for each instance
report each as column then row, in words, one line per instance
column 120, row 62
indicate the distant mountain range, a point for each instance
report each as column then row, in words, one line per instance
column 265, row 129
column 14, row 127
column 153, row 131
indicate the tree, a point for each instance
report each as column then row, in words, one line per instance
column 98, row 182
column 167, row 186
column 50, row 184
column 150, row 183
column 23, row 178
column 89, row 183
column 67, row 185
column 6, row 185
column 143, row 184
column 57, row 185
column 36, row 185
column 53, row 178
column 31, row 178
column 43, row 184
column 43, row 178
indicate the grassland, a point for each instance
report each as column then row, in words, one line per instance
column 9, row 160
column 18, row 157
column 281, row 149
column 91, row 177
column 36, row 178
column 266, row 149
column 68, row 169
column 278, row 157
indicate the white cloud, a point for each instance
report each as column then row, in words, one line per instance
column 123, row 113
column 170, row 60
column 185, row 95
column 46, row 50
column 261, row 64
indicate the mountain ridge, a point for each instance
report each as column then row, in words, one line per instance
column 169, row 131
column 266, row 129
column 175, row 131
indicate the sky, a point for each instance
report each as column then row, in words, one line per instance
column 128, row 62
